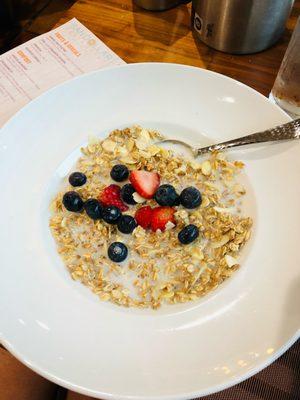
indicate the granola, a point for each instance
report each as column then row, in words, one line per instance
column 159, row 268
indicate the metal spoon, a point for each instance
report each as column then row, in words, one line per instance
column 288, row 131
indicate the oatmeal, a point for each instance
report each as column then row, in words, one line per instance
column 141, row 226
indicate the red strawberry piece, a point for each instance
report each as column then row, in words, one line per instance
column 145, row 183
column 143, row 216
column 161, row 216
column 111, row 196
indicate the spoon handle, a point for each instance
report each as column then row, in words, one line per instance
column 288, row 131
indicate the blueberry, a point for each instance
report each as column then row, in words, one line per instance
column 177, row 201
column 119, row 173
column 166, row 195
column 117, row 251
column 72, row 201
column 77, row 179
column 111, row 214
column 127, row 224
column 188, row 234
column 93, row 208
column 126, row 194
column 190, row 197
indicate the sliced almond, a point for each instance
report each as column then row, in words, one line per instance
column 130, row 144
column 122, row 151
column 116, row 294
column 138, row 198
column 164, row 152
column 199, row 273
column 206, row 168
column 230, row 261
column 197, row 253
column 169, row 225
column 248, row 234
column 104, row 296
column 128, row 160
column 229, row 210
column 168, row 295
column 205, row 201
column 109, row 145
column 63, row 223
column 153, row 150
column 181, row 170
column 145, row 135
column 220, row 243
column 195, row 165
column 211, row 185
column 145, row 154
column 233, row 247
column 182, row 215
column 141, row 144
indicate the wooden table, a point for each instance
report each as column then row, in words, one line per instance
column 137, row 35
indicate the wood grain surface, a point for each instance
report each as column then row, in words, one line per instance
column 137, row 35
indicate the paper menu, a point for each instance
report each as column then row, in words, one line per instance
column 47, row 60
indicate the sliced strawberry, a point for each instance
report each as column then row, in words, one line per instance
column 111, row 196
column 145, row 183
column 143, row 216
column 161, row 216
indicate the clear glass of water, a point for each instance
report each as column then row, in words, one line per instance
column 286, row 89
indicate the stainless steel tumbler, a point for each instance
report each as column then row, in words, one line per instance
column 240, row 26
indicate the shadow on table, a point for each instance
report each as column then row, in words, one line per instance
column 170, row 25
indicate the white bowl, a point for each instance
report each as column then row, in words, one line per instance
column 60, row 329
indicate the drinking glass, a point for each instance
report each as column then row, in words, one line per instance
column 286, row 89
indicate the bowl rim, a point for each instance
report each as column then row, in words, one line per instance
column 187, row 395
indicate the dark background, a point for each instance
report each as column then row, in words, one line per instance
column 21, row 20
